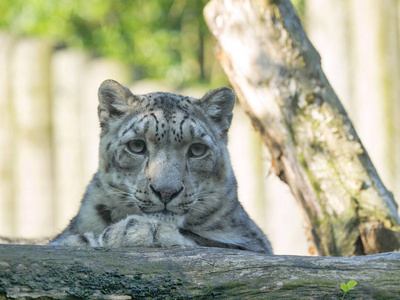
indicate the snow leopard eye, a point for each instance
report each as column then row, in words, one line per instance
column 197, row 150
column 137, row 146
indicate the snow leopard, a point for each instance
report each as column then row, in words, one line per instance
column 164, row 177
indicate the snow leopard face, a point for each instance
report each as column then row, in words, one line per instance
column 165, row 154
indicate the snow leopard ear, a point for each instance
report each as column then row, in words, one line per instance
column 218, row 105
column 114, row 101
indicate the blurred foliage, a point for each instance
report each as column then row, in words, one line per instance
column 300, row 7
column 160, row 38
column 165, row 39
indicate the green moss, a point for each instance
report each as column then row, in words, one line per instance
column 227, row 290
column 86, row 282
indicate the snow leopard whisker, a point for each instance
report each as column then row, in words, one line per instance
column 208, row 194
column 119, row 194
column 117, row 191
column 217, row 191
column 197, row 209
column 203, row 209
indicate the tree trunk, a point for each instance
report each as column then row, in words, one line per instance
column 278, row 79
column 205, row 273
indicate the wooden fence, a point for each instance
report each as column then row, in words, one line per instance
column 48, row 132
column 49, row 137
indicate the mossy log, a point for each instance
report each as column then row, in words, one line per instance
column 277, row 76
column 203, row 273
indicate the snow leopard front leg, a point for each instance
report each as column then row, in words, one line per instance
column 141, row 231
column 133, row 231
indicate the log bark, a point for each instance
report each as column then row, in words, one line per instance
column 277, row 76
column 204, row 273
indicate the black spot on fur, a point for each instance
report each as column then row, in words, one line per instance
column 104, row 213
column 73, row 224
column 83, row 239
column 155, row 234
column 106, row 234
column 191, row 130
column 155, row 118
column 141, row 120
column 108, row 167
column 253, row 234
column 180, row 126
column 206, row 216
column 115, row 163
column 96, row 181
column 131, row 223
column 125, row 131
column 215, row 227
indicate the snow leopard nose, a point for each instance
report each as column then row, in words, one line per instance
column 166, row 195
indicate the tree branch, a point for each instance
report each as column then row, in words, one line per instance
column 277, row 76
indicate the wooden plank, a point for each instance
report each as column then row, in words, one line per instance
column 283, row 221
column 327, row 24
column 32, row 166
column 390, row 79
column 368, row 90
column 96, row 71
column 7, row 222
column 246, row 157
column 67, row 68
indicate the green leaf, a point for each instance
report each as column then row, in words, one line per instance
column 351, row 284
column 344, row 287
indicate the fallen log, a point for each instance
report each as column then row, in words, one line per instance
column 203, row 273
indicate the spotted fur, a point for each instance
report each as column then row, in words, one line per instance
column 164, row 176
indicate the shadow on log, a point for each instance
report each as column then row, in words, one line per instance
column 59, row 273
